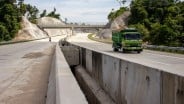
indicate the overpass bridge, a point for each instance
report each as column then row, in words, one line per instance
column 50, row 26
column 71, row 26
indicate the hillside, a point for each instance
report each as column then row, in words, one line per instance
column 53, row 32
column 121, row 21
column 118, row 23
column 29, row 31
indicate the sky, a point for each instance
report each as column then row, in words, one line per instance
column 80, row 11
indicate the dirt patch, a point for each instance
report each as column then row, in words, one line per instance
column 33, row 55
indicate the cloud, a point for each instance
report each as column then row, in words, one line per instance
column 79, row 10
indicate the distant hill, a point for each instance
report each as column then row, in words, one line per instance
column 53, row 32
column 118, row 23
column 32, row 31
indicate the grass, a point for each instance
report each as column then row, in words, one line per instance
column 108, row 41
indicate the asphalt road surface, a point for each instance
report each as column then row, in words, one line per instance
column 169, row 62
column 24, row 71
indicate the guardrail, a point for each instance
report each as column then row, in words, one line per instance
column 151, row 47
column 165, row 48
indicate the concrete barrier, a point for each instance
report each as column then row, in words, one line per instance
column 22, row 41
column 62, row 87
column 132, row 83
column 71, row 55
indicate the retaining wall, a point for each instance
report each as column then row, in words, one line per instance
column 131, row 83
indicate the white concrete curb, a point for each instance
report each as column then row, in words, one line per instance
column 67, row 89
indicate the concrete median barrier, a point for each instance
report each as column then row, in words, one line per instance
column 62, row 87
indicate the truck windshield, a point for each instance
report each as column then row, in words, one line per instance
column 132, row 36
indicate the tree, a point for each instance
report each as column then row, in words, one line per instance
column 4, row 35
column 22, row 7
column 44, row 13
column 113, row 14
column 143, row 30
column 121, row 2
column 32, row 13
column 53, row 14
column 162, row 18
column 138, row 14
column 10, row 19
column 66, row 20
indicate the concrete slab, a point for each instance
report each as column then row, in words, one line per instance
column 172, row 89
column 140, row 84
column 71, row 54
column 89, row 61
column 24, row 72
column 111, row 76
column 93, row 91
column 83, row 52
column 67, row 88
column 97, row 67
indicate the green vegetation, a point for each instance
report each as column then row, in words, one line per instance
column 91, row 36
column 44, row 13
column 11, row 12
column 51, row 14
column 160, row 21
column 121, row 2
column 32, row 13
column 113, row 14
column 9, row 19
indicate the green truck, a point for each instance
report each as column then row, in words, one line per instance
column 127, row 40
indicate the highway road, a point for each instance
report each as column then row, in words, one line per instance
column 169, row 62
column 24, row 71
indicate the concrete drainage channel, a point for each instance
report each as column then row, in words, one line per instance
column 105, row 79
column 92, row 90
column 63, row 87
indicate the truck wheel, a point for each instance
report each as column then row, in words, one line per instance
column 124, row 51
column 138, row 51
column 115, row 49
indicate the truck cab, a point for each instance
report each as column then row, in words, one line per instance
column 127, row 40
